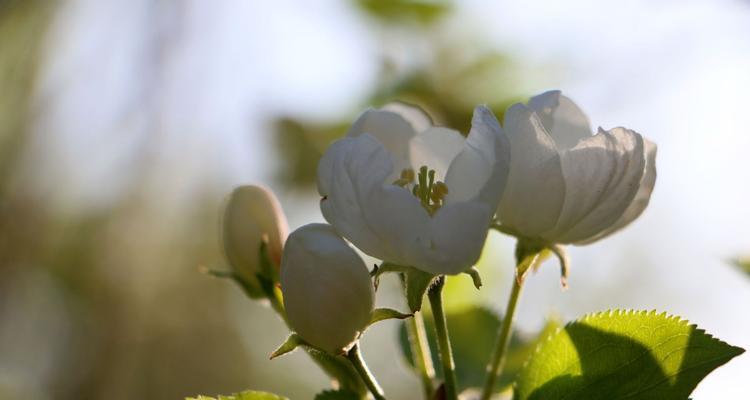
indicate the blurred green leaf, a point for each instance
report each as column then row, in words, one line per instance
column 425, row 12
column 472, row 332
column 743, row 263
column 248, row 395
column 337, row 395
column 622, row 354
column 301, row 144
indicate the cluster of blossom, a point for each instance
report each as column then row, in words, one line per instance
column 413, row 194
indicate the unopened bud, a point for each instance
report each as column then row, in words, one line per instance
column 327, row 290
column 252, row 215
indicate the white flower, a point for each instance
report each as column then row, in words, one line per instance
column 567, row 185
column 328, row 294
column 252, row 214
column 412, row 194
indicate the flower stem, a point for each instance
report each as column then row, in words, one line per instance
column 495, row 366
column 435, row 294
column 355, row 357
column 420, row 350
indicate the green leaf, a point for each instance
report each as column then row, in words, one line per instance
column 380, row 314
column 340, row 368
column 248, row 395
column 337, row 395
column 622, row 354
column 290, row 344
column 473, row 272
column 336, row 367
column 743, row 263
column 404, row 11
column 472, row 332
column 416, row 283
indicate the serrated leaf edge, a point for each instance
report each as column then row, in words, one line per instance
column 620, row 312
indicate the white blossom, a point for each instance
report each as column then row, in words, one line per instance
column 566, row 185
column 409, row 193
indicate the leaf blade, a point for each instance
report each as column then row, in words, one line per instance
column 622, row 354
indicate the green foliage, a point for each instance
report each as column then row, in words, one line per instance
column 743, row 263
column 416, row 283
column 336, row 367
column 248, row 395
column 622, row 354
column 290, row 344
column 337, row 395
column 380, row 314
column 421, row 11
column 473, row 333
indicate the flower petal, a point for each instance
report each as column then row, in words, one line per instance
column 394, row 127
column 381, row 219
column 417, row 117
column 626, row 149
column 344, row 198
column 588, row 169
column 641, row 200
column 436, row 148
column 535, row 191
column 481, row 168
column 563, row 119
column 458, row 232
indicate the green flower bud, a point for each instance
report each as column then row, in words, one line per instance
column 327, row 289
column 252, row 215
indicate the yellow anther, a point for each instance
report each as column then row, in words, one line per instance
column 439, row 190
column 407, row 177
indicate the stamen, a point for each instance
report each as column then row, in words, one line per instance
column 430, row 193
column 407, row 177
column 439, row 190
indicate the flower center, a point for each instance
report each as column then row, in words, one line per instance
column 430, row 193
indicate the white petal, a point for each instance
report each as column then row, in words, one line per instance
column 588, row 169
column 641, row 199
column 480, row 171
column 379, row 218
column 535, row 191
column 394, row 128
column 328, row 295
column 436, row 148
column 563, row 119
column 345, row 192
column 458, row 232
column 418, row 119
column 627, row 151
column 400, row 222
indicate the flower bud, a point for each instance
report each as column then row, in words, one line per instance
column 327, row 289
column 252, row 215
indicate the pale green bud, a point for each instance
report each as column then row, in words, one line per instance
column 327, row 289
column 252, row 215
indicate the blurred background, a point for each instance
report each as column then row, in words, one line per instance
column 124, row 124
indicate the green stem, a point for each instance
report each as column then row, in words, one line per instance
column 495, row 366
column 355, row 357
column 420, row 350
column 274, row 298
column 435, row 294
